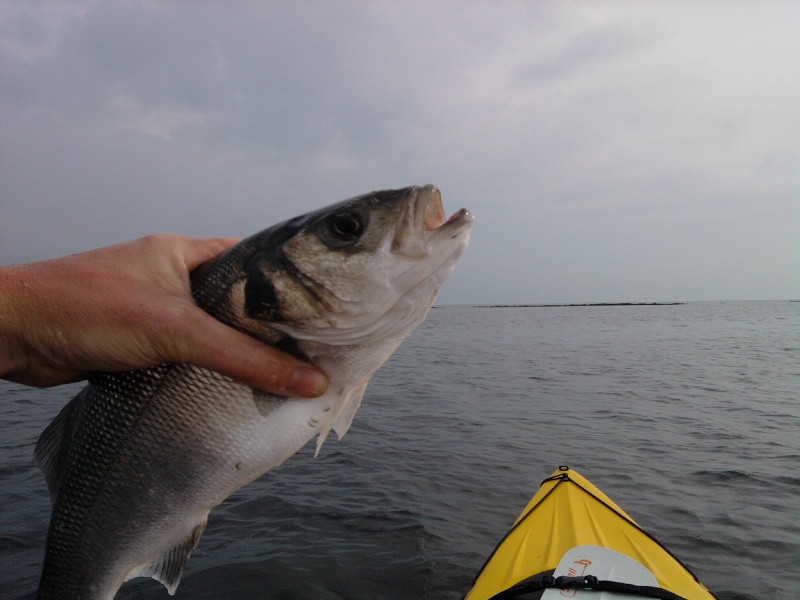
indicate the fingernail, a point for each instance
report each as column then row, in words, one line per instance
column 308, row 382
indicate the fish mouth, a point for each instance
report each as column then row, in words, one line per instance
column 433, row 212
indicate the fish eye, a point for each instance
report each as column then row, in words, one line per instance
column 344, row 227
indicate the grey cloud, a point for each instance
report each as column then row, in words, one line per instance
column 608, row 152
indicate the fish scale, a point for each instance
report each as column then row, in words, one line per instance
column 135, row 462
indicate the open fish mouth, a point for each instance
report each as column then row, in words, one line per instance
column 433, row 212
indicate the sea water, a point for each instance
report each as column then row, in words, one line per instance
column 685, row 415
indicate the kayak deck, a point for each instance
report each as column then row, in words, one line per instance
column 566, row 513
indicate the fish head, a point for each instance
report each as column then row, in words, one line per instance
column 366, row 268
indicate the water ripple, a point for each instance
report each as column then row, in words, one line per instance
column 687, row 416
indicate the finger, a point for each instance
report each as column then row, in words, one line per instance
column 47, row 377
column 249, row 361
column 196, row 251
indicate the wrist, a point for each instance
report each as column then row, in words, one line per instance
column 12, row 293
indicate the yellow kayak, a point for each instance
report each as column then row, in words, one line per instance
column 572, row 541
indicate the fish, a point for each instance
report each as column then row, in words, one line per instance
column 136, row 460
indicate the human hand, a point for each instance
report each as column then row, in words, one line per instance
column 127, row 307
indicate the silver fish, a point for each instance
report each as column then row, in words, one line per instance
column 135, row 462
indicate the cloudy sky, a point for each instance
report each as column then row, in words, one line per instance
column 610, row 151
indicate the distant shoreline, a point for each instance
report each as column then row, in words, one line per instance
column 578, row 305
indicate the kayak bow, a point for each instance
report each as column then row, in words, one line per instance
column 572, row 541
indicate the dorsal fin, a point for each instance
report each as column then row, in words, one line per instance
column 51, row 448
column 168, row 567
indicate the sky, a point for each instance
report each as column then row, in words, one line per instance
column 610, row 151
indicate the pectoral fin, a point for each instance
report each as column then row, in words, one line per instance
column 266, row 402
column 349, row 409
column 52, row 444
column 349, row 401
